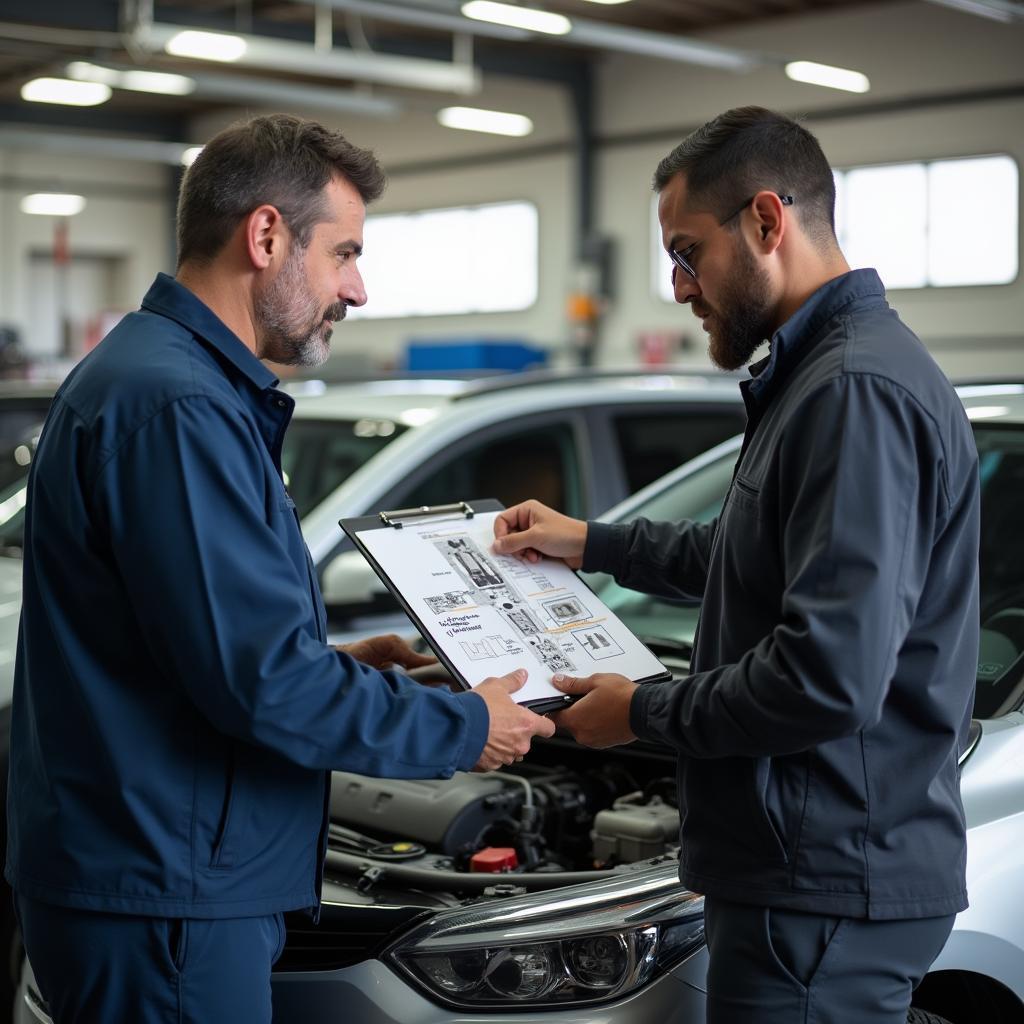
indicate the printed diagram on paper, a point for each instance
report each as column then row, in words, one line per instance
column 492, row 613
column 527, row 620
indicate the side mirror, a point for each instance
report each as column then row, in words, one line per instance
column 351, row 587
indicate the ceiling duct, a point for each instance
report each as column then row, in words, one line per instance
column 592, row 34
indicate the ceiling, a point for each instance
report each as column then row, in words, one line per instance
column 38, row 39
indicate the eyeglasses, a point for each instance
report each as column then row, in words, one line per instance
column 682, row 259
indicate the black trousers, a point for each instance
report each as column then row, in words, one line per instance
column 770, row 966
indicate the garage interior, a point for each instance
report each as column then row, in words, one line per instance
column 519, row 232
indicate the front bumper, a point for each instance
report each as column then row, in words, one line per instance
column 372, row 993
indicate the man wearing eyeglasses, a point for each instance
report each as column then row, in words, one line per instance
column 833, row 668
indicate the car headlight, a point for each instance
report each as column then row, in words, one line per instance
column 578, row 945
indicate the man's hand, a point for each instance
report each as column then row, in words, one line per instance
column 601, row 718
column 385, row 651
column 531, row 529
column 511, row 727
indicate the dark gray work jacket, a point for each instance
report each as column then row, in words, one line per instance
column 834, row 664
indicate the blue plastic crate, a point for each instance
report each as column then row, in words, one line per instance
column 476, row 354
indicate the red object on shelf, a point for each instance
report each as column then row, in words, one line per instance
column 493, row 860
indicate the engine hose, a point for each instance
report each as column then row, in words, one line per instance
column 431, row 878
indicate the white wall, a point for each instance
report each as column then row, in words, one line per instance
column 126, row 216
column 416, row 138
column 907, row 50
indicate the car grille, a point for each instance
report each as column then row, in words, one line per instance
column 344, row 936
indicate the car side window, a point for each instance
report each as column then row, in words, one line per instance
column 653, row 443
column 541, row 463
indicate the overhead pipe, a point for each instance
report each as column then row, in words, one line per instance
column 590, row 34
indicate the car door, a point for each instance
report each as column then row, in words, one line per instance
column 641, row 442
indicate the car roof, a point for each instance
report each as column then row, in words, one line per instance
column 44, row 389
column 406, row 399
column 996, row 403
column 989, row 403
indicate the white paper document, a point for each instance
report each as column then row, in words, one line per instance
column 493, row 613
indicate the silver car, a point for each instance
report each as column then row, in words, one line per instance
column 589, row 923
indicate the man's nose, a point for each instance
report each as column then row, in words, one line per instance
column 684, row 287
column 352, row 290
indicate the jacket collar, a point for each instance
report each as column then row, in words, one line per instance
column 169, row 298
column 788, row 343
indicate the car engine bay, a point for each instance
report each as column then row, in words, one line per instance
column 564, row 812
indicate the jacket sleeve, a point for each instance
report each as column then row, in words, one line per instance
column 861, row 492
column 227, row 614
column 666, row 559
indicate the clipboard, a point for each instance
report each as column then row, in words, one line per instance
column 503, row 600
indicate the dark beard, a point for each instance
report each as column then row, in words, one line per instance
column 742, row 320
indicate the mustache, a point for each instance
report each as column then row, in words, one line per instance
column 336, row 312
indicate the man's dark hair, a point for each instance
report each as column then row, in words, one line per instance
column 749, row 149
column 279, row 159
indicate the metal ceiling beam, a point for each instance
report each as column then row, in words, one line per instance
column 590, row 34
column 281, row 95
column 278, row 94
column 1005, row 11
column 275, row 54
column 103, row 146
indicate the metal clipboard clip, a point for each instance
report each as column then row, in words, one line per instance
column 397, row 517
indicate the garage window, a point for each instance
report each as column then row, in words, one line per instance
column 471, row 259
column 937, row 224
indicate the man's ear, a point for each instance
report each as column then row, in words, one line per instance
column 770, row 220
column 265, row 236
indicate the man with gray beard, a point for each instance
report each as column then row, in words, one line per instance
column 177, row 710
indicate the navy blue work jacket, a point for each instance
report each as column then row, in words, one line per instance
column 834, row 664
column 176, row 707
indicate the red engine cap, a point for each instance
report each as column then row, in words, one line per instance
column 493, row 860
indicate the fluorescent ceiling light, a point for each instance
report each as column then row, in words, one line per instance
column 609, row 3
column 827, row 75
column 133, row 79
column 188, row 158
column 53, row 204
column 206, row 46
column 517, row 17
column 65, row 91
column 473, row 119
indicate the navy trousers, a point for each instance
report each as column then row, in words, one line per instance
column 94, row 968
column 770, row 966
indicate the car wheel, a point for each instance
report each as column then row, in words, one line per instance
column 917, row 1016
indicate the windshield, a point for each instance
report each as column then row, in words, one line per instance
column 671, row 625
column 317, row 457
column 320, row 455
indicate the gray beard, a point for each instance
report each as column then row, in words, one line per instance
column 292, row 324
